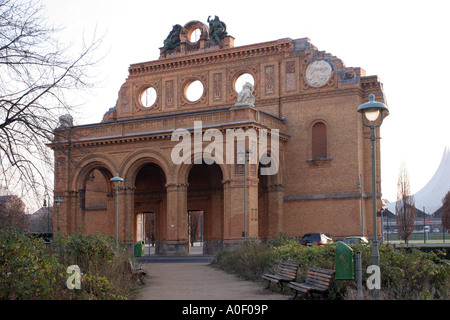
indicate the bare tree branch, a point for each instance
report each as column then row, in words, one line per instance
column 36, row 74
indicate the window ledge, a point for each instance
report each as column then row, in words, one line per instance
column 318, row 159
column 319, row 162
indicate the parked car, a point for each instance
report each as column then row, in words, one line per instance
column 354, row 239
column 47, row 237
column 315, row 238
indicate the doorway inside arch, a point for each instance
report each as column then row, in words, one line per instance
column 195, row 231
column 150, row 206
column 205, row 195
column 146, row 230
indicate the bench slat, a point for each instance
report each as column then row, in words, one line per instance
column 325, row 276
column 318, row 283
column 322, row 270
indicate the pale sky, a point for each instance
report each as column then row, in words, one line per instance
column 405, row 43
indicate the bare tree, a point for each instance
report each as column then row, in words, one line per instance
column 446, row 211
column 12, row 212
column 36, row 73
column 405, row 206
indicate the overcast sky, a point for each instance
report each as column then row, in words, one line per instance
column 405, row 43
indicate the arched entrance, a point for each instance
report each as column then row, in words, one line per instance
column 150, row 205
column 96, row 201
column 205, row 194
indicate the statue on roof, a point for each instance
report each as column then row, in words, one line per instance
column 217, row 30
column 246, row 97
column 173, row 39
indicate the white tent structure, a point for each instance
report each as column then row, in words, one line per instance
column 431, row 195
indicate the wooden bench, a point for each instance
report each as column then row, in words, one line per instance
column 287, row 272
column 138, row 272
column 317, row 280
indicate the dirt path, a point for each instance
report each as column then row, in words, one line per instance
column 194, row 281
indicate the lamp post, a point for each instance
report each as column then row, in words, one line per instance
column 58, row 203
column 362, row 206
column 48, row 214
column 372, row 114
column 246, row 154
column 115, row 183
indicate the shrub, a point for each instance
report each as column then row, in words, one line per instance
column 406, row 273
column 31, row 270
column 26, row 270
column 89, row 252
column 249, row 261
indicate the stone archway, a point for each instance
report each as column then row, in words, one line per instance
column 205, row 193
column 150, row 196
column 96, row 201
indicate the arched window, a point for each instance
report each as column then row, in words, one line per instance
column 319, row 140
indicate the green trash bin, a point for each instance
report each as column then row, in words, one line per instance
column 139, row 249
column 343, row 264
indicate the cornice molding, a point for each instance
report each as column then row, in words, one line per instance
column 254, row 50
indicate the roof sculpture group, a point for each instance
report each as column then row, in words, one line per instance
column 217, row 31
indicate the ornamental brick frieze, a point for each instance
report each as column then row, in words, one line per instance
column 176, row 186
column 162, row 127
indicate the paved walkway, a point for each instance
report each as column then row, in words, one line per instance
column 199, row 281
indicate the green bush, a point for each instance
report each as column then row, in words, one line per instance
column 89, row 252
column 26, row 270
column 406, row 273
column 29, row 269
column 249, row 261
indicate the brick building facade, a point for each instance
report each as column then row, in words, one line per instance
column 308, row 95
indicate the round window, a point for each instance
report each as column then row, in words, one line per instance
column 194, row 90
column 241, row 80
column 195, row 35
column 148, row 97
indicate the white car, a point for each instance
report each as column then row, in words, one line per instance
column 354, row 239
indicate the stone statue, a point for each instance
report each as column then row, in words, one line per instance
column 246, row 97
column 173, row 39
column 217, row 30
column 65, row 121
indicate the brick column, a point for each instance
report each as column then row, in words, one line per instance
column 176, row 242
column 275, row 209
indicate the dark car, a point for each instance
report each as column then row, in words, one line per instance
column 47, row 237
column 315, row 238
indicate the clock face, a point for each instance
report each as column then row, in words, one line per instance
column 318, row 73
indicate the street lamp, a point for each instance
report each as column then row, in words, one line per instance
column 115, row 183
column 372, row 114
column 246, row 159
column 58, row 205
column 362, row 205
